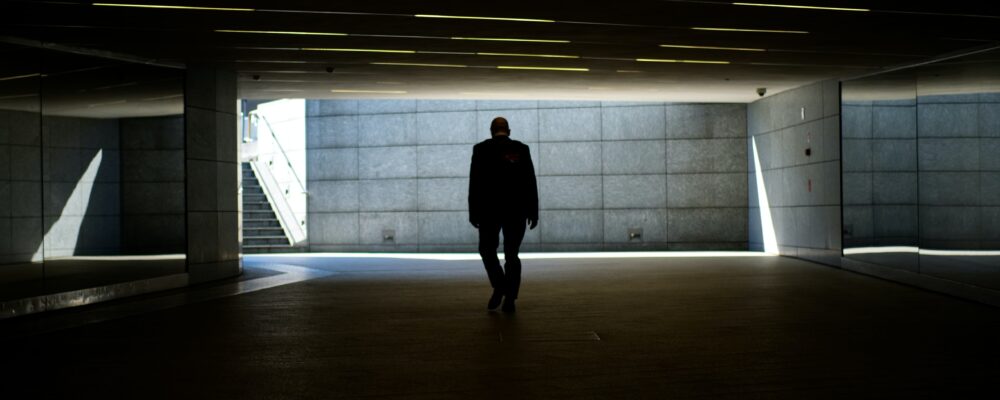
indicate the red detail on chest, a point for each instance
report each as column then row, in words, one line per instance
column 512, row 157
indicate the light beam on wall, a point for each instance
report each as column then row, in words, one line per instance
column 70, row 227
column 767, row 224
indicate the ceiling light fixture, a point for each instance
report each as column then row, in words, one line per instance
column 680, row 46
column 10, row 78
column 483, row 18
column 662, row 60
column 282, row 32
column 527, row 55
column 746, row 30
column 511, row 40
column 369, row 91
column 802, row 7
column 358, row 50
column 171, row 7
column 543, row 68
column 405, row 64
column 628, row 71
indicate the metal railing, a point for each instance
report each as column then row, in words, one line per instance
column 278, row 196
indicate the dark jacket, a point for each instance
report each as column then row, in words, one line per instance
column 502, row 181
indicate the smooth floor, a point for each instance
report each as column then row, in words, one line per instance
column 628, row 328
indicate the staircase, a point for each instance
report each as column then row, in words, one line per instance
column 262, row 233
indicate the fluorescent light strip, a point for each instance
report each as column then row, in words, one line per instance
column 403, row 64
column 747, row 30
column 511, row 40
column 172, row 96
column 543, row 68
column 10, row 78
column 171, row 7
column 679, row 46
column 628, row 71
column 483, row 18
column 661, row 60
column 282, row 32
column 527, row 55
column 369, row 91
column 802, row 7
column 359, row 50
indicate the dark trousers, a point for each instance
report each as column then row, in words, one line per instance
column 508, row 278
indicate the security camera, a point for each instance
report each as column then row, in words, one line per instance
column 761, row 91
column 329, row 70
column 256, row 77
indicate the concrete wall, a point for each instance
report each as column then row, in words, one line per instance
column 676, row 171
column 880, row 173
column 959, row 161
column 21, row 226
column 212, row 157
column 81, row 186
column 920, row 172
column 152, row 201
column 803, row 191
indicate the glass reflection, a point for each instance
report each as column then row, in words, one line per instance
column 921, row 169
column 880, row 170
column 112, row 172
column 20, row 172
column 959, row 161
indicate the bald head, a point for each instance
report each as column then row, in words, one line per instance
column 499, row 127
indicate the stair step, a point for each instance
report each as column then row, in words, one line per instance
column 265, row 242
column 265, row 223
column 270, row 249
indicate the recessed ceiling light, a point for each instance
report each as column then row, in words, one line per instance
column 483, row 18
column 680, row 46
column 628, row 71
column 512, row 40
column 543, row 68
column 110, row 103
column 358, row 50
column 272, row 61
column 746, row 30
column 172, row 7
column 404, row 64
column 282, row 32
column 662, row 60
column 804, row 7
column 369, row 91
column 527, row 55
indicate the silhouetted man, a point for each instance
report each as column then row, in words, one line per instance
column 503, row 196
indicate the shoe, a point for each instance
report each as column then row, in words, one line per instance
column 494, row 300
column 508, row 305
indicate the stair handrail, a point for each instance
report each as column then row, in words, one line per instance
column 281, row 149
column 277, row 197
column 294, row 231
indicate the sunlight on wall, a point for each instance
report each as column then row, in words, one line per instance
column 70, row 227
column 766, row 223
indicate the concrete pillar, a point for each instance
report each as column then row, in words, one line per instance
column 212, row 160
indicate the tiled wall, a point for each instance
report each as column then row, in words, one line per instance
column 880, row 173
column 81, row 186
column 152, row 153
column 677, row 171
column 938, row 153
column 212, row 182
column 803, row 191
column 21, row 223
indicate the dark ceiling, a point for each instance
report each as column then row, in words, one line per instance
column 275, row 59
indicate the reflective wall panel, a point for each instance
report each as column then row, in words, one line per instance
column 921, row 180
